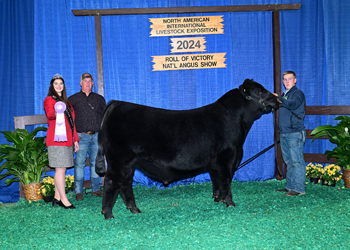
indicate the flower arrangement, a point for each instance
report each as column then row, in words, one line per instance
column 69, row 183
column 331, row 174
column 47, row 186
column 313, row 170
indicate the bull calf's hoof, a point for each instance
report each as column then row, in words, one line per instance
column 107, row 217
column 135, row 211
column 231, row 205
column 217, row 199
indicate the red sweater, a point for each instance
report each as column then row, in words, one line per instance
column 49, row 104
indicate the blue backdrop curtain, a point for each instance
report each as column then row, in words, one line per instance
column 17, row 82
column 41, row 38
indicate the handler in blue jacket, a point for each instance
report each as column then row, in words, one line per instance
column 292, row 135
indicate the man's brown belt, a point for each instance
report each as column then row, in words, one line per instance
column 89, row 132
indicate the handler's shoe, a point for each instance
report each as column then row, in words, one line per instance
column 282, row 190
column 97, row 193
column 79, row 197
column 293, row 193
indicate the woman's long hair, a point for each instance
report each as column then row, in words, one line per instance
column 52, row 91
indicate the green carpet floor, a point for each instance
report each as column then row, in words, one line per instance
column 185, row 217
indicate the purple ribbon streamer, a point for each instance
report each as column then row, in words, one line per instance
column 60, row 130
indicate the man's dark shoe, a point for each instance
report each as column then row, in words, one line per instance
column 282, row 190
column 79, row 197
column 293, row 193
column 98, row 193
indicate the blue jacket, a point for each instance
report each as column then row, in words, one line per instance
column 294, row 101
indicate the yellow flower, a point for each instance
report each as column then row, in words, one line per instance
column 331, row 173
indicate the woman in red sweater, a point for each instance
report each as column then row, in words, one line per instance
column 60, row 142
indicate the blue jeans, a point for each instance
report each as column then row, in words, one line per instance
column 87, row 145
column 292, row 145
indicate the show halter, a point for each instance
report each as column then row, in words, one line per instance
column 261, row 101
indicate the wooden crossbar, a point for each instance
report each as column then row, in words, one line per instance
column 178, row 10
column 322, row 110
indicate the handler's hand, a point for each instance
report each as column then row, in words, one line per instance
column 76, row 146
column 279, row 98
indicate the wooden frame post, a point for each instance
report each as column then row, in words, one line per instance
column 98, row 34
column 277, row 89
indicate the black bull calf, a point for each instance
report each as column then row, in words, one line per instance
column 170, row 145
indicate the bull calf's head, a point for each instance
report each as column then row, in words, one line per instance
column 255, row 92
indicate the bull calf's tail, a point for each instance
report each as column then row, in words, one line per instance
column 100, row 165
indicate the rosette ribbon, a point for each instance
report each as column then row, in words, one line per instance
column 60, row 130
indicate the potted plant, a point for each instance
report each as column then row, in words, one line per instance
column 47, row 188
column 331, row 175
column 313, row 172
column 69, row 183
column 26, row 160
column 340, row 136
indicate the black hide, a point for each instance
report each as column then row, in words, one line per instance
column 170, row 145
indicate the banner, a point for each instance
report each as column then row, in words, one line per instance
column 188, row 44
column 189, row 61
column 183, row 26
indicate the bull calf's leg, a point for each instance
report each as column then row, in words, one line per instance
column 127, row 193
column 225, row 179
column 110, row 194
column 222, row 188
column 216, row 185
column 226, row 193
column 228, row 164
